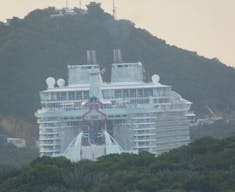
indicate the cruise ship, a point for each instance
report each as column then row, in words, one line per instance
column 85, row 117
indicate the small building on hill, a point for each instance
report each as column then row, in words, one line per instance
column 3, row 139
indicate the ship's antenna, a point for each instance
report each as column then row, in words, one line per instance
column 114, row 10
column 80, row 4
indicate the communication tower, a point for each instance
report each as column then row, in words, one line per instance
column 67, row 4
column 114, row 10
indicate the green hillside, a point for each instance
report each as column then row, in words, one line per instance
column 12, row 156
column 38, row 46
column 206, row 165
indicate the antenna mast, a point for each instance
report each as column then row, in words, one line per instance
column 80, row 4
column 114, row 10
column 67, row 4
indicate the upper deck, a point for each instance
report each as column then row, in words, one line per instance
column 123, row 76
column 85, row 81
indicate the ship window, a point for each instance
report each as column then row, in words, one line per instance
column 44, row 96
column 155, row 92
column 162, row 100
column 118, row 93
column 53, row 96
column 61, row 96
column 71, row 95
column 162, row 92
column 108, row 94
column 85, row 94
column 133, row 92
column 148, row 92
column 133, row 101
column 104, row 94
column 78, row 95
column 140, row 93
column 126, row 93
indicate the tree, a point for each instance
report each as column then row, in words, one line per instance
column 94, row 9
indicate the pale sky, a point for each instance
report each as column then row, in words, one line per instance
column 204, row 26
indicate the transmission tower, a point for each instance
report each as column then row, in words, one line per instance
column 67, row 4
column 114, row 10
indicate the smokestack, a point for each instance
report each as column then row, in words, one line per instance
column 117, row 56
column 91, row 57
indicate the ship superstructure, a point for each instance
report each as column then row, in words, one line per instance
column 89, row 118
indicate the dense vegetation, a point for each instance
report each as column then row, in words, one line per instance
column 38, row 46
column 12, row 156
column 219, row 129
column 205, row 165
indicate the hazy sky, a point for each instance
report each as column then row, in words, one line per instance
column 204, row 26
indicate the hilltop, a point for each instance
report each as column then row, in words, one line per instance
column 38, row 46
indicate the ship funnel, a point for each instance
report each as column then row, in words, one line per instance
column 117, row 56
column 91, row 57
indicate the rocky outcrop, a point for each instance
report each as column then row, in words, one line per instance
column 19, row 128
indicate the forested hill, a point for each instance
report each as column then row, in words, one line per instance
column 38, row 46
column 206, row 165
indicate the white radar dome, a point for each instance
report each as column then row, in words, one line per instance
column 61, row 83
column 50, row 81
column 155, row 78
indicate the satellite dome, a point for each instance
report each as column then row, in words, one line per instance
column 155, row 78
column 61, row 83
column 50, row 81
